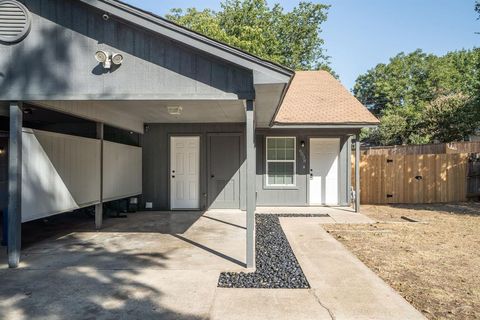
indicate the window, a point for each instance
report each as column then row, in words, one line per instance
column 280, row 161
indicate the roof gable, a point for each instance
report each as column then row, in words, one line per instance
column 264, row 72
column 56, row 61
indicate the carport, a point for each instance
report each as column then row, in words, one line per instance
column 168, row 75
column 62, row 172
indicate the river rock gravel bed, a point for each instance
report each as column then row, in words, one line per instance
column 276, row 264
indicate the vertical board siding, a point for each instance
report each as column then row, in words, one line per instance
column 298, row 195
column 122, row 171
column 156, row 146
column 417, row 178
column 156, row 164
column 56, row 59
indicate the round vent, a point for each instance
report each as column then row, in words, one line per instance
column 14, row 21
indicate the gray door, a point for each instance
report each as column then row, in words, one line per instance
column 223, row 171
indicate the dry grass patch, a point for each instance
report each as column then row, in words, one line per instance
column 433, row 263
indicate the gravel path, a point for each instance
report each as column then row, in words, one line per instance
column 277, row 266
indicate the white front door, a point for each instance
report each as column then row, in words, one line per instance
column 184, row 172
column 324, row 171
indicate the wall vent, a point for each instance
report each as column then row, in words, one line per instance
column 14, row 21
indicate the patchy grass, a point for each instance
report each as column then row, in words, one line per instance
column 433, row 263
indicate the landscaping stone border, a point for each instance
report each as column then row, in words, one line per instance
column 276, row 264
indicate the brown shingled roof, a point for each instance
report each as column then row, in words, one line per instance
column 317, row 98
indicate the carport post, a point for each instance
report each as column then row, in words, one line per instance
column 251, row 183
column 357, row 173
column 15, row 185
column 99, row 206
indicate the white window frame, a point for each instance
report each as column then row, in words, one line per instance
column 294, row 161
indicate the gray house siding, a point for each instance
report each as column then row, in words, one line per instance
column 156, row 175
column 156, row 158
column 298, row 195
column 56, row 61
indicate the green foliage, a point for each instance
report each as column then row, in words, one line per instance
column 422, row 98
column 291, row 38
column 450, row 118
column 477, row 7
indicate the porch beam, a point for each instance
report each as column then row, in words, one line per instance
column 251, row 183
column 99, row 206
column 14, row 227
column 357, row 173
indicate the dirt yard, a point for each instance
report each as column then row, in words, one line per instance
column 434, row 263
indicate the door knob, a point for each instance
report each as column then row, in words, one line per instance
column 173, row 176
column 212, row 176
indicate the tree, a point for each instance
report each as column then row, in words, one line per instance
column 477, row 8
column 451, row 118
column 290, row 38
column 417, row 97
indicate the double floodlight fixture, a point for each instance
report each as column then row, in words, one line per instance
column 174, row 110
column 107, row 59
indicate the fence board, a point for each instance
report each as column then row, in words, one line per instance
column 417, row 178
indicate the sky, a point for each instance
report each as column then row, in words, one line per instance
column 359, row 34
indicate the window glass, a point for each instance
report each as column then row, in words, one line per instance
column 280, row 161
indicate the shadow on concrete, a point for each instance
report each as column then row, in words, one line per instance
column 225, row 222
column 201, row 246
column 91, row 287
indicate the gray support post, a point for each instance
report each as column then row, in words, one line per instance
column 15, row 185
column 251, row 183
column 99, row 206
column 357, row 173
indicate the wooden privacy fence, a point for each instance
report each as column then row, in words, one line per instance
column 413, row 178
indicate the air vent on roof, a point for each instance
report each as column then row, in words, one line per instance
column 14, row 21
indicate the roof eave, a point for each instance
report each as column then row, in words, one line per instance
column 346, row 125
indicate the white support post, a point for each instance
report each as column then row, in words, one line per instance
column 15, row 185
column 357, row 173
column 99, row 206
column 251, row 183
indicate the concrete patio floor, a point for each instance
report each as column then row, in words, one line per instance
column 158, row 265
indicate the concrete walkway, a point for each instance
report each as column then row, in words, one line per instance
column 166, row 266
column 339, row 280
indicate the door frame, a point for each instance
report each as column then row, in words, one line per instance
column 200, row 164
column 339, row 184
column 241, row 169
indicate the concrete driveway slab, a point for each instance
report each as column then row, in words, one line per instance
column 90, row 293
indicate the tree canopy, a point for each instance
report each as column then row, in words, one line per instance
column 422, row 98
column 290, row 38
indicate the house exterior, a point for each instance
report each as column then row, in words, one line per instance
column 101, row 101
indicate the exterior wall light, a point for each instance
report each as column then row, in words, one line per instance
column 2, row 151
column 302, row 143
column 174, row 111
column 117, row 59
column 106, row 59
